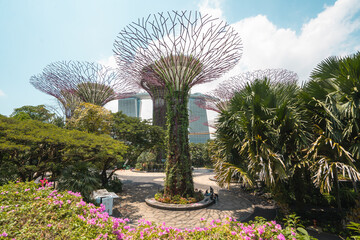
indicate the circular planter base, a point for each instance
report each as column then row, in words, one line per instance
column 179, row 207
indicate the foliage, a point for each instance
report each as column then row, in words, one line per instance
column 31, row 211
column 177, row 199
column 355, row 227
column 260, row 134
column 147, row 161
column 91, row 118
column 80, row 178
column 32, row 148
column 294, row 139
column 146, row 157
column 114, row 185
column 199, row 155
column 138, row 135
column 40, row 113
column 332, row 98
column 178, row 180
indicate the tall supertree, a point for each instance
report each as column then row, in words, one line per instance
column 177, row 50
column 73, row 82
column 217, row 99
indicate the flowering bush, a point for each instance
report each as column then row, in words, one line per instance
column 177, row 199
column 31, row 211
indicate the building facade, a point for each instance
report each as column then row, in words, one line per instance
column 198, row 127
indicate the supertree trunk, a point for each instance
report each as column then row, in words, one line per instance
column 159, row 111
column 178, row 169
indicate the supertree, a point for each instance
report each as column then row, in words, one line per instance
column 157, row 94
column 175, row 51
column 73, row 82
column 217, row 99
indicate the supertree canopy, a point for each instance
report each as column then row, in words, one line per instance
column 218, row 98
column 175, row 51
column 73, row 82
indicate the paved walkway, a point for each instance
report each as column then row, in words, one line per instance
column 137, row 186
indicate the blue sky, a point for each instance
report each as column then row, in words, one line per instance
column 292, row 34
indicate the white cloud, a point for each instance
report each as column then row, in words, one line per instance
column 2, row 94
column 211, row 7
column 109, row 62
column 268, row 46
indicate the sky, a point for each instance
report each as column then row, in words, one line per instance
column 291, row 34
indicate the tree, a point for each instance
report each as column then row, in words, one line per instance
column 181, row 49
column 91, row 118
column 199, row 154
column 34, row 148
column 40, row 113
column 261, row 130
column 73, row 82
column 332, row 99
column 138, row 135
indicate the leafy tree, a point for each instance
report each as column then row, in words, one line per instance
column 33, row 148
column 261, row 133
column 40, row 113
column 199, row 154
column 332, row 98
column 138, row 135
column 91, row 118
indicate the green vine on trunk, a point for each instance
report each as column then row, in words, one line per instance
column 178, row 168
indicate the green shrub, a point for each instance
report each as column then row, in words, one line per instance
column 114, row 185
column 177, row 199
column 80, row 178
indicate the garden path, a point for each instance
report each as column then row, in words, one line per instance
column 140, row 185
column 232, row 202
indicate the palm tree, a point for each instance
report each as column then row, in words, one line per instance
column 261, row 132
column 332, row 99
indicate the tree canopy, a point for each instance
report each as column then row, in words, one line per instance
column 138, row 134
column 33, row 148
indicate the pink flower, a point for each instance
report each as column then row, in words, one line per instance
column 4, row 234
column 281, row 237
column 49, row 225
column 261, row 230
column 27, row 189
column 43, row 182
column 233, row 233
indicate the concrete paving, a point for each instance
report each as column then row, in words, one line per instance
column 139, row 185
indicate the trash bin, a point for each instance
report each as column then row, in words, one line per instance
column 106, row 198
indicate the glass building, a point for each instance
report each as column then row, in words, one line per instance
column 130, row 106
column 198, row 127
